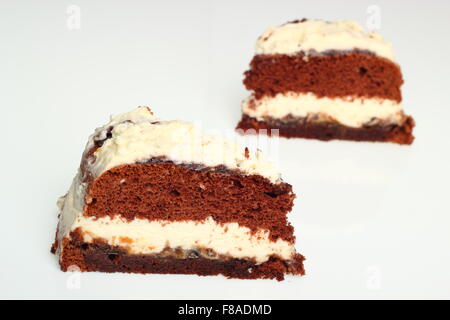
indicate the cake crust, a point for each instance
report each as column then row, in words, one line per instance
column 335, row 74
column 100, row 256
column 302, row 128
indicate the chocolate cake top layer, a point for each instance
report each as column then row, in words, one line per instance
column 316, row 36
column 161, row 190
column 343, row 75
column 138, row 136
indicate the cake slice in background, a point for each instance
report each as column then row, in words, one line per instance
column 326, row 80
column 157, row 196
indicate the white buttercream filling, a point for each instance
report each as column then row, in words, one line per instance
column 348, row 111
column 139, row 136
column 141, row 236
column 321, row 36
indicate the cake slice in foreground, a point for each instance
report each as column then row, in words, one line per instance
column 325, row 80
column 157, row 196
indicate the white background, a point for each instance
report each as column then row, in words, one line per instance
column 372, row 219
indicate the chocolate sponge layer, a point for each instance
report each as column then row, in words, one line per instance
column 292, row 127
column 336, row 74
column 162, row 190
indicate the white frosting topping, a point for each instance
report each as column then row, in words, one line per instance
column 320, row 36
column 139, row 136
column 349, row 111
column 141, row 236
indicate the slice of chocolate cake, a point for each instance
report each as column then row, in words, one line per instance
column 325, row 80
column 157, row 196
